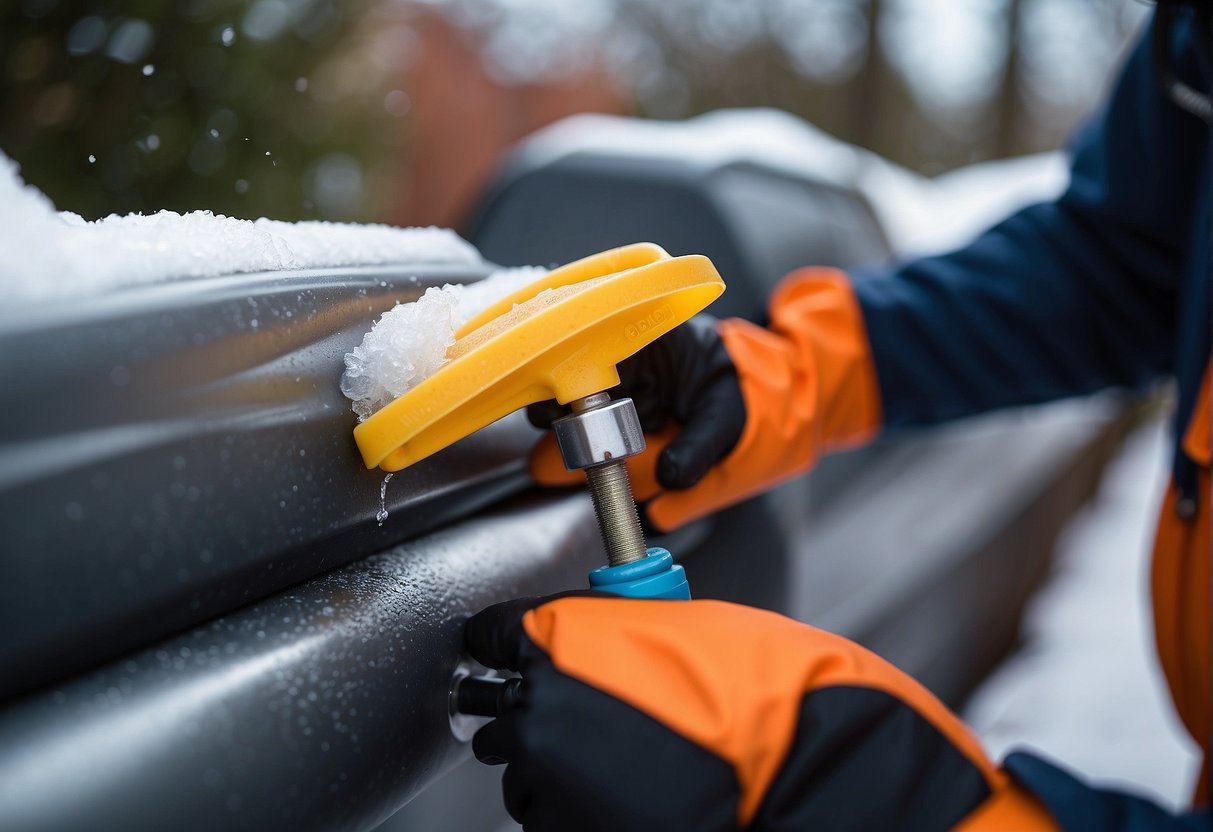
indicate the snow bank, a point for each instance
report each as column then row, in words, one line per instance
column 50, row 255
column 770, row 137
column 1085, row 688
column 930, row 216
column 408, row 344
column 919, row 215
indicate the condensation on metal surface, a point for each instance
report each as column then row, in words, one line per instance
column 170, row 453
column 322, row 707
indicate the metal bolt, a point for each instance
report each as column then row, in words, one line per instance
column 591, row 436
column 611, row 490
column 589, row 402
column 618, row 521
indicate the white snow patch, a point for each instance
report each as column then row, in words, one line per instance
column 50, row 255
column 409, row 343
column 929, row 216
column 771, row 137
column 919, row 215
column 1086, row 688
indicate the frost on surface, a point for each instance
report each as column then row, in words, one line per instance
column 408, row 344
column 49, row 255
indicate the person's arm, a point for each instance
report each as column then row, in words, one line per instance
column 1063, row 298
column 1078, row 807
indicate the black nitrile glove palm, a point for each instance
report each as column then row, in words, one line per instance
column 686, row 377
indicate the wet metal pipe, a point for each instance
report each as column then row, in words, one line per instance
column 324, row 707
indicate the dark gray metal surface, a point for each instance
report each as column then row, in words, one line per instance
column 755, row 223
column 928, row 553
column 170, row 453
column 321, row 708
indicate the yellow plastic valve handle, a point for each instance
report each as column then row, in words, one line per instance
column 557, row 338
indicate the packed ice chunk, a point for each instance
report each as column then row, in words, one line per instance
column 50, row 256
column 405, row 346
column 409, row 343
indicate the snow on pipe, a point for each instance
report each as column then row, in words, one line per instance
column 51, row 255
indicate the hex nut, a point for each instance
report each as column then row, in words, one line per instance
column 602, row 434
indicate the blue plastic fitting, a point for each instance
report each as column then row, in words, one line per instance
column 656, row 576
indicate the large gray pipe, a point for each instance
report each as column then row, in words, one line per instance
column 321, row 708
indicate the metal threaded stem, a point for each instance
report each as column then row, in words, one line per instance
column 618, row 521
column 589, row 402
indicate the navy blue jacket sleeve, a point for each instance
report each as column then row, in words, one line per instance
column 1063, row 298
column 1077, row 807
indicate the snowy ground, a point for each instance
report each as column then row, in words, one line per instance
column 1086, row 689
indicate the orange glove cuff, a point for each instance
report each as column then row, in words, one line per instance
column 809, row 386
column 816, row 310
column 547, row 465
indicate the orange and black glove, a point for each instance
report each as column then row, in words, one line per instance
column 704, row 715
column 734, row 409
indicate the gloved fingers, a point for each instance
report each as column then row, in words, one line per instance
column 494, row 636
column 721, row 486
column 651, row 409
column 711, row 429
column 497, row 742
column 547, row 466
column 645, row 378
column 517, row 792
column 642, row 468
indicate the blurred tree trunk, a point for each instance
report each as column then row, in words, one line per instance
column 1009, row 105
column 867, row 103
